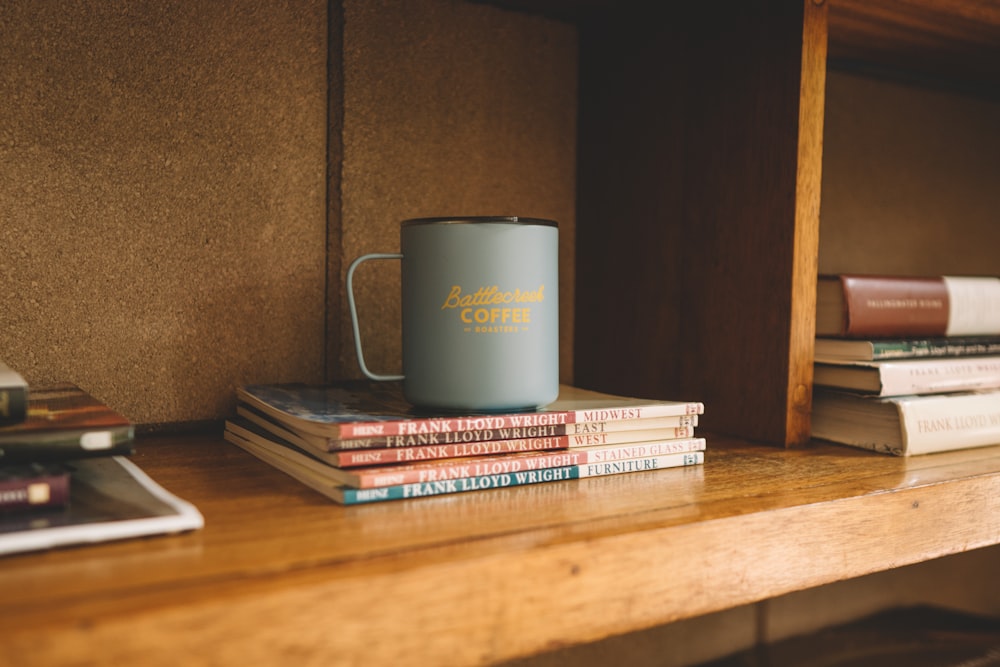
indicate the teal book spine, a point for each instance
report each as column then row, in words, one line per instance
column 350, row 496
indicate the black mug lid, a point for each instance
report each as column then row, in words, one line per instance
column 479, row 219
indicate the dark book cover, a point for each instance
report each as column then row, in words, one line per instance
column 13, row 396
column 28, row 486
column 64, row 422
column 110, row 499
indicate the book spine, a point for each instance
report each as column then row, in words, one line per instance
column 61, row 445
column 30, row 490
column 370, row 457
column 13, row 396
column 352, row 430
column 683, row 426
column 939, row 375
column 887, row 305
column 936, row 347
column 947, row 422
column 579, row 428
column 619, row 437
column 504, row 480
column 443, row 470
column 912, row 306
column 974, row 305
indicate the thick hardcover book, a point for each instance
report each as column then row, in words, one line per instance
column 64, row 422
column 471, row 466
column 110, row 499
column 363, row 409
column 352, row 496
column 449, row 445
column 681, row 425
column 911, row 376
column 846, row 349
column 33, row 485
column 907, row 425
column 872, row 306
column 13, row 396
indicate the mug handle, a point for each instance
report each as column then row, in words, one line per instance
column 354, row 313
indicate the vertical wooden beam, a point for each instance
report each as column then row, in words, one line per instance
column 805, row 265
column 698, row 209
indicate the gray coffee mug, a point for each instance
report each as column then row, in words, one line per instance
column 480, row 305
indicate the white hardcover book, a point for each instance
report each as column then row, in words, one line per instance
column 908, row 425
column 911, row 376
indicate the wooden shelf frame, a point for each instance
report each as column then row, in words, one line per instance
column 700, row 169
column 700, row 161
column 280, row 572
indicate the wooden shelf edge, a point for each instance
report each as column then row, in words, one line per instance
column 514, row 594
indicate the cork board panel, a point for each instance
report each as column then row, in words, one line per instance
column 910, row 179
column 162, row 218
column 449, row 108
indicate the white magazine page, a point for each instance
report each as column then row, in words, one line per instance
column 111, row 498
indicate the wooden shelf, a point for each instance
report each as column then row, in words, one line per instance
column 954, row 43
column 700, row 170
column 279, row 572
column 700, row 159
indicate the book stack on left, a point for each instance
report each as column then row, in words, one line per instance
column 361, row 442
column 64, row 478
column 907, row 365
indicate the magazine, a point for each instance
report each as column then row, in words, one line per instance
column 111, row 498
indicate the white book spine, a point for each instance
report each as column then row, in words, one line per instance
column 973, row 304
column 943, row 423
column 940, row 375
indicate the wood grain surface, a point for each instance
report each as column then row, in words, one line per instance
column 279, row 573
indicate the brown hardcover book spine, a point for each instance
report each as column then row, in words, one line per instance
column 887, row 305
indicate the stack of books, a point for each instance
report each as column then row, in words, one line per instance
column 361, row 442
column 64, row 475
column 907, row 365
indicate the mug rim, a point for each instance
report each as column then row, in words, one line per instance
column 480, row 219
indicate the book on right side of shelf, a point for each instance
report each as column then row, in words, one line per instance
column 907, row 365
column 882, row 306
column 897, row 377
column 882, row 349
column 907, row 425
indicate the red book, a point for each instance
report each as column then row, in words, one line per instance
column 859, row 306
column 33, row 485
column 352, row 458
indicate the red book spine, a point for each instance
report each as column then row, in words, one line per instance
column 27, row 486
column 888, row 305
column 433, row 471
column 523, row 420
column 368, row 457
